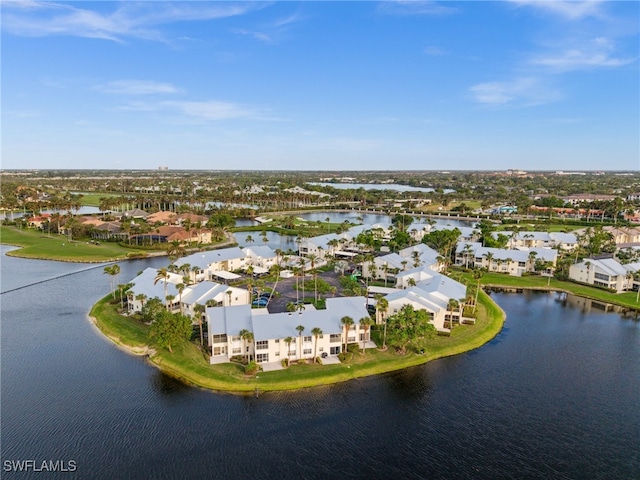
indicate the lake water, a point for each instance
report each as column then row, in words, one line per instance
column 286, row 242
column 378, row 186
column 554, row 395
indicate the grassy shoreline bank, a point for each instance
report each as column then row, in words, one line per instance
column 536, row 282
column 190, row 365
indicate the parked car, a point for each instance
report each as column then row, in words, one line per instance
column 260, row 302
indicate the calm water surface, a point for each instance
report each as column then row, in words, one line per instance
column 286, row 242
column 554, row 395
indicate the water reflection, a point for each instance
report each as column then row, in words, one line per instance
column 167, row 385
column 410, row 383
column 587, row 305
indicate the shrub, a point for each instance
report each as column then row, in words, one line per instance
column 353, row 347
column 285, row 362
column 252, row 368
column 318, row 360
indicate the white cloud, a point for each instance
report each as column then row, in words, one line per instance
column 434, row 51
column 593, row 54
column 211, row 110
column 263, row 37
column 272, row 32
column 577, row 59
column 572, row 9
column 414, row 7
column 521, row 92
column 136, row 87
column 128, row 20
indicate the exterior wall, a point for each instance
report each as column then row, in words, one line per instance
column 512, row 268
column 227, row 265
column 276, row 349
column 438, row 316
column 593, row 275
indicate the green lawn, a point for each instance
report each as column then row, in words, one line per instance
column 188, row 363
column 57, row 247
column 93, row 199
column 124, row 331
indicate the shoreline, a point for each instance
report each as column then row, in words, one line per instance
column 187, row 363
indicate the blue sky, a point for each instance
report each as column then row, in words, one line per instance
column 536, row 85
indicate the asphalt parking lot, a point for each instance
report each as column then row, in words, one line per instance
column 287, row 291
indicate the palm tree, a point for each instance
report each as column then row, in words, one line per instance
column 532, row 258
column 452, row 305
column 489, row 257
column 175, row 250
column 313, row 258
column 170, row 299
column 288, row 341
column 291, row 306
column 416, row 258
column 477, row 275
column 365, row 323
column 112, row 271
column 245, row 335
column 249, row 339
column 385, row 269
column 316, row 332
column 199, row 310
column 122, row 289
column 382, row 304
column 180, row 287
column 300, row 329
column 302, row 268
column 163, row 274
column 346, row 321
column 141, row 297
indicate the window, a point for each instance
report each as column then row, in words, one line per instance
column 262, row 357
column 236, row 351
column 522, row 264
column 277, row 340
column 601, row 276
column 277, row 354
column 307, row 339
column 321, row 349
column 351, row 339
column 335, row 337
column 262, row 345
column 220, row 338
column 306, row 351
column 235, row 338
